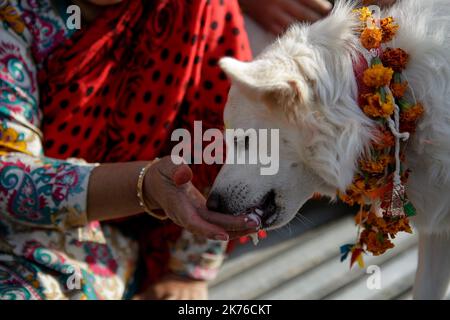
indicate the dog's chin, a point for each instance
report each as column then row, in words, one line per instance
column 266, row 210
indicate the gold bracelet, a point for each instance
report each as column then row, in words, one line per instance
column 140, row 193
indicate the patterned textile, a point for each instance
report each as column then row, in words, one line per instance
column 123, row 92
column 47, row 247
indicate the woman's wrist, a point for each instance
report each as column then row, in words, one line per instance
column 112, row 191
column 148, row 188
column 147, row 179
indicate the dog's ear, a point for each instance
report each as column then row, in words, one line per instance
column 259, row 79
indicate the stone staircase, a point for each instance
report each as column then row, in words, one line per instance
column 301, row 261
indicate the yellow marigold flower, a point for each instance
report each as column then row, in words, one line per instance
column 389, row 29
column 378, row 76
column 376, row 108
column 364, row 13
column 371, row 38
column 388, row 107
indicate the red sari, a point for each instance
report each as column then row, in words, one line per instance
column 117, row 89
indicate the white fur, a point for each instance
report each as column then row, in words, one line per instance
column 303, row 84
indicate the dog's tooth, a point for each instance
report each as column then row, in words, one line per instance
column 255, row 238
column 254, row 217
column 259, row 212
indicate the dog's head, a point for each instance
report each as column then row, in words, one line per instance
column 304, row 86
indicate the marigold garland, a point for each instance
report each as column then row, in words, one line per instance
column 389, row 29
column 396, row 59
column 399, row 89
column 374, row 187
column 371, row 38
column 378, row 76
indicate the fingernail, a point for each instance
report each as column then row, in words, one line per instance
column 252, row 223
column 222, row 237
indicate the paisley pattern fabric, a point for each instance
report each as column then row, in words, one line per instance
column 48, row 250
column 204, row 259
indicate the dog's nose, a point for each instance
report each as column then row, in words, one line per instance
column 214, row 202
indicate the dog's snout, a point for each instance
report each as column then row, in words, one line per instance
column 215, row 202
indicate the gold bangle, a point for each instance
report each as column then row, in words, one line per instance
column 140, row 193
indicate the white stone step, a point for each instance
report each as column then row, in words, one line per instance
column 409, row 295
column 397, row 276
column 332, row 274
column 253, row 275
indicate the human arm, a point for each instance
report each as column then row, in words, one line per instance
column 276, row 15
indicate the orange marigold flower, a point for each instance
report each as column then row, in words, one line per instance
column 376, row 242
column 370, row 166
column 350, row 200
column 397, row 59
column 371, row 111
column 389, row 29
column 376, row 108
column 376, row 166
column 352, row 196
column 371, row 38
column 359, row 185
column 412, row 114
column 383, row 139
column 398, row 89
column 394, row 225
column 378, row 76
column 386, row 159
column 375, row 221
column 372, row 104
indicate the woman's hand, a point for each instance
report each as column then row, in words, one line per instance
column 173, row 287
column 168, row 187
column 112, row 195
column 276, row 15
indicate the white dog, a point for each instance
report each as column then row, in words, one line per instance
column 304, row 85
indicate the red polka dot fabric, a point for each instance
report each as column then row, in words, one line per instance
column 117, row 89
